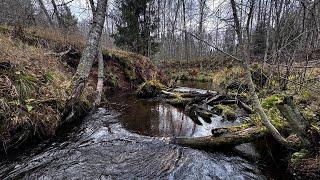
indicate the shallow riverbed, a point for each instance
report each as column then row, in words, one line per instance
column 129, row 139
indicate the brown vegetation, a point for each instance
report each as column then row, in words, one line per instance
column 35, row 80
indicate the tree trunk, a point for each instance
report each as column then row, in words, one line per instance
column 93, row 8
column 100, row 79
column 56, row 12
column 43, row 8
column 88, row 55
column 186, row 51
column 255, row 99
column 297, row 122
column 202, row 4
column 226, row 138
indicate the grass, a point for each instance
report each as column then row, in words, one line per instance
column 127, row 70
column 34, row 89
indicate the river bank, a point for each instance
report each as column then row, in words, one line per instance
column 229, row 80
column 89, row 149
column 37, row 67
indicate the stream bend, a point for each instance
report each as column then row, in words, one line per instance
column 102, row 149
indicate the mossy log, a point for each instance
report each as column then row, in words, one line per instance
column 292, row 114
column 180, row 102
column 225, row 100
column 150, row 89
column 228, row 138
column 183, row 99
column 170, row 94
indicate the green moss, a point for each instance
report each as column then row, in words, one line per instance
column 112, row 80
column 149, row 89
column 179, row 101
column 308, row 113
column 228, row 76
column 48, row 76
column 183, row 76
column 271, row 101
column 297, row 156
column 274, row 117
column 202, row 78
column 227, row 112
column 105, row 52
column 130, row 74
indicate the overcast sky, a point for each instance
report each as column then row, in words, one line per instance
column 80, row 9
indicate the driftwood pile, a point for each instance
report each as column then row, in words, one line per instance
column 201, row 104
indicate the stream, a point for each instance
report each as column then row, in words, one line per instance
column 129, row 140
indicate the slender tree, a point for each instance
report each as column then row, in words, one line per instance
column 43, row 8
column 245, row 53
column 88, row 55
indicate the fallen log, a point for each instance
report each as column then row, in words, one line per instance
column 195, row 111
column 170, row 94
column 180, row 102
column 229, row 138
column 228, row 101
column 193, row 91
column 292, row 114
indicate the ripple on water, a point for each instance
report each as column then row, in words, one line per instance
column 103, row 149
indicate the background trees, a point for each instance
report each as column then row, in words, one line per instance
column 280, row 33
column 136, row 26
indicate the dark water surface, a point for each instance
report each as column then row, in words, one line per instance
column 130, row 142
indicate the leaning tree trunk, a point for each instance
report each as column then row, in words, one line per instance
column 244, row 49
column 297, row 122
column 257, row 105
column 88, row 55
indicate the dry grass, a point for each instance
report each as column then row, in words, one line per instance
column 127, row 70
column 74, row 39
column 32, row 91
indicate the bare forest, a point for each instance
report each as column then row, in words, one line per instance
column 159, row 89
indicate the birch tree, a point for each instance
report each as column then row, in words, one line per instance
column 88, row 55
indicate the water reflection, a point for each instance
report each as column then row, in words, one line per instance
column 152, row 118
column 159, row 119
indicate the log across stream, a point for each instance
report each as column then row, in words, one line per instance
column 130, row 138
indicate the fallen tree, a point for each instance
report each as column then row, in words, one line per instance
column 224, row 137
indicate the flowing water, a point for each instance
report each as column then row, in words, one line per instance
column 129, row 140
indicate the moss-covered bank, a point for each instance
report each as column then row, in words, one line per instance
column 35, row 80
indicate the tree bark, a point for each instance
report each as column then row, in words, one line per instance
column 186, row 51
column 244, row 49
column 226, row 139
column 100, row 79
column 93, row 8
column 43, row 8
column 297, row 122
column 202, row 4
column 56, row 12
column 88, row 55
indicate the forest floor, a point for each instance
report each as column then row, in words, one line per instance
column 229, row 80
column 36, row 70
